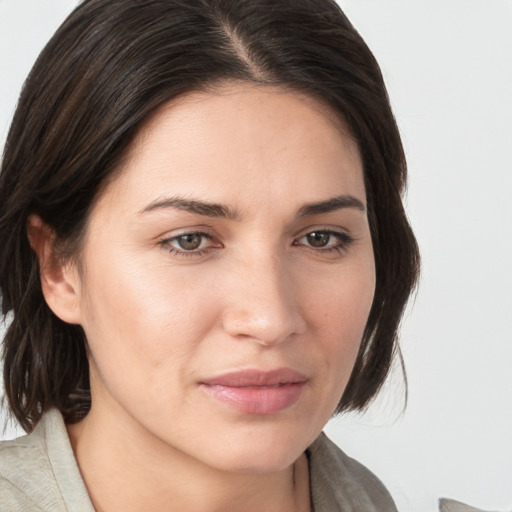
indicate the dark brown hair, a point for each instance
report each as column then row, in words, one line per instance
column 107, row 68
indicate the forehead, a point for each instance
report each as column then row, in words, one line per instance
column 242, row 142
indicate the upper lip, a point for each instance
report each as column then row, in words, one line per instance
column 255, row 378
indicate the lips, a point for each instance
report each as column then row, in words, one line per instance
column 257, row 392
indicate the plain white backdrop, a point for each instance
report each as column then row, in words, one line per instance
column 448, row 67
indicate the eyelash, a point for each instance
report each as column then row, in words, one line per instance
column 344, row 240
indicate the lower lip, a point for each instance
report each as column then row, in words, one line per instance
column 257, row 399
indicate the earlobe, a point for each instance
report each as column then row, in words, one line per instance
column 59, row 279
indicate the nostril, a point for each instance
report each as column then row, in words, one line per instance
column 267, row 325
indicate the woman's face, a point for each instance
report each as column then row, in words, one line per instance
column 227, row 276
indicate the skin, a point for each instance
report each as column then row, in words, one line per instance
column 256, row 294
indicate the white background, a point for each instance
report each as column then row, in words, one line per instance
column 448, row 66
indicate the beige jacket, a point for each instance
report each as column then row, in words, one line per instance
column 39, row 473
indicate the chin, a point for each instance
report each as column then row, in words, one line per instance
column 259, row 452
column 262, row 463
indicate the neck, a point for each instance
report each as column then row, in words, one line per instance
column 125, row 469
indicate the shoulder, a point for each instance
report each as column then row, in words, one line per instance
column 339, row 482
column 38, row 471
column 25, row 473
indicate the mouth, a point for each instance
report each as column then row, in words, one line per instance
column 257, row 392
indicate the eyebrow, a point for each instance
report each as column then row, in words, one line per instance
column 331, row 205
column 193, row 206
column 221, row 211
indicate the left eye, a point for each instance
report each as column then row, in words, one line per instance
column 325, row 240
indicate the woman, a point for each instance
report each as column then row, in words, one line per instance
column 205, row 255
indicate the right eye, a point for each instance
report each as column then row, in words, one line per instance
column 189, row 244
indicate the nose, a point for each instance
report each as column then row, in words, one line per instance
column 263, row 305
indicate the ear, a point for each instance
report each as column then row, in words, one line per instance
column 60, row 281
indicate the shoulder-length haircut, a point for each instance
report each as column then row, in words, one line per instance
column 106, row 69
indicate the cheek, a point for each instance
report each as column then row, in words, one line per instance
column 339, row 312
column 342, row 303
column 142, row 324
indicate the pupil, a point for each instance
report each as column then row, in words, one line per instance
column 318, row 239
column 189, row 242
